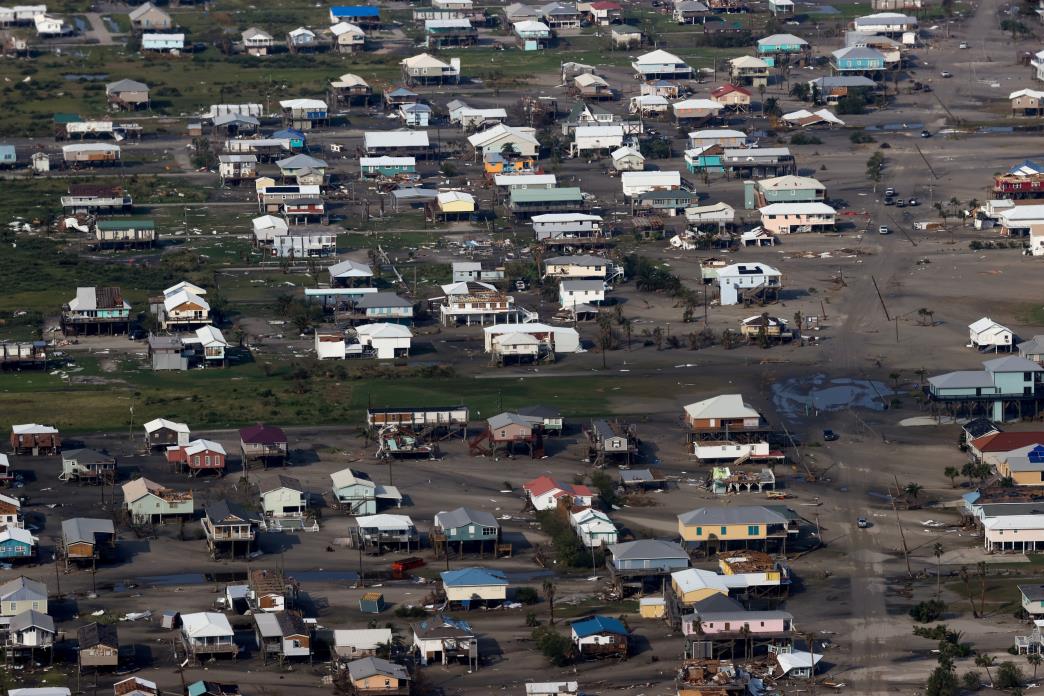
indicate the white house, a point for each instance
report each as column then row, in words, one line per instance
column 330, row 345
column 594, row 138
column 386, row 341
column 884, row 23
column 989, row 335
column 560, row 339
column 637, row 183
column 661, row 64
column 579, row 266
column 361, row 642
column 282, row 497
column 349, row 37
column 594, row 528
column 575, row 292
column 626, row 159
column 1013, row 533
column 544, row 493
column 206, row 630
column 523, row 140
column 734, row 279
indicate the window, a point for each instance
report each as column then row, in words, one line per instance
column 753, row 530
column 208, row 460
column 196, row 460
column 724, row 531
column 699, row 531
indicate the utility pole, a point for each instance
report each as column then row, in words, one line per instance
column 898, row 522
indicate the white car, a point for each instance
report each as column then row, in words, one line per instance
column 964, row 44
column 883, row 229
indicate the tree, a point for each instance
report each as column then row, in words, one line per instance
column 952, row 472
column 557, row 648
column 1009, row 676
column 509, row 151
column 985, row 661
column 937, row 551
column 971, row 680
column 1034, row 659
column 772, row 108
column 549, row 594
column 968, row 469
column 875, row 168
column 942, row 682
column 605, row 334
column 912, row 490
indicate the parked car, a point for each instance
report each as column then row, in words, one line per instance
column 964, row 44
column 883, row 229
column 830, row 435
column 889, row 201
column 863, row 523
column 900, row 203
column 889, row 192
column 913, row 202
column 946, row 73
column 925, row 134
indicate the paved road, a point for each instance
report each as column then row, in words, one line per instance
column 98, row 30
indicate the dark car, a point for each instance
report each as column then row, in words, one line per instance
column 925, row 134
column 889, row 201
column 830, row 435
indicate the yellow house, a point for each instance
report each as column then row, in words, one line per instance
column 372, row 675
column 694, row 585
column 1024, row 469
column 652, row 607
column 733, row 523
column 456, row 203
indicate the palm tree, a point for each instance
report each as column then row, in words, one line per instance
column 952, row 473
column 549, row 593
column 968, row 470
column 937, row 550
column 986, row 661
column 1034, row 659
column 913, row 490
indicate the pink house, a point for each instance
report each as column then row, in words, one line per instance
column 1014, row 533
column 728, row 624
column 785, row 218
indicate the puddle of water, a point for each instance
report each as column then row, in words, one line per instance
column 324, row 575
column 804, row 396
column 175, row 579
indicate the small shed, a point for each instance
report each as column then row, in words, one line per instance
column 372, row 603
column 652, row 607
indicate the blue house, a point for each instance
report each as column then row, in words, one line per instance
column 647, row 557
column 415, row 114
column 361, row 15
column 387, row 166
column 1004, row 381
column 16, row 543
column 162, row 42
column 295, row 137
column 857, row 59
column 705, row 158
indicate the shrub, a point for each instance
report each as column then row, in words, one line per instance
column 406, row 612
column 804, row 139
column 971, row 680
column 926, row 612
column 942, row 682
column 859, row 137
column 557, row 648
column 1009, row 676
column 526, row 595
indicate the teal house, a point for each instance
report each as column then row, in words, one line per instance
column 1001, row 390
column 293, row 136
column 16, row 543
column 857, row 59
column 705, row 158
column 354, row 492
column 465, row 525
column 387, row 166
column 780, row 44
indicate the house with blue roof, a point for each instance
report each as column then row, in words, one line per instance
column 360, row 15
column 771, row 47
column 467, row 587
column 600, row 636
column 294, row 137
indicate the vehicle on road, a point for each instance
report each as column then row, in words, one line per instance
column 889, row 201
column 926, row 134
column 889, row 192
column 883, row 229
column 913, row 202
column 946, row 73
column 863, row 523
column 964, row 44
column 830, row 435
column 900, row 203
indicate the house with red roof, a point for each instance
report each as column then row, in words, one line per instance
column 602, row 12
column 545, row 493
column 265, row 444
column 732, row 97
column 994, row 448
